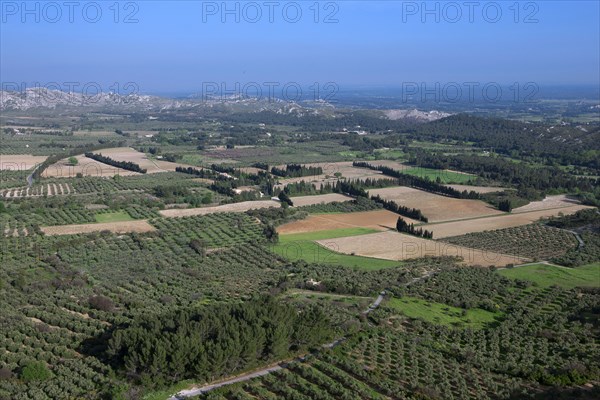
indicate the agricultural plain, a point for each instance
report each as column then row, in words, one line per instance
column 378, row 220
column 392, row 245
column 435, row 207
column 455, row 228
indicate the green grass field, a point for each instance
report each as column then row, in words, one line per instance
column 113, row 217
column 443, row 314
column 301, row 246
column 445, row 176
column 547, row 275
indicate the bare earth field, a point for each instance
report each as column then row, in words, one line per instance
column 117, row 227
column 86, row 167
column 235, row 207
column 455, row 228
column 19, row 162
column 129, row 154
column 330, row 169
column 380, row 219
column 550, row 202
column 396, row 246
column 89, row 167
column 436, row 208
column 318, row 199
column 477, row 189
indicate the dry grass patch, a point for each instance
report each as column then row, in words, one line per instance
column 235, row 207
column 151, row 166
column 140, row 226
column 392, row 245
column 456, row 228
column 318, row 199
column 19, row 162
column 344, row 168
column 86, row 167
column 379, row 220
column 549, row 203
column 435, row 207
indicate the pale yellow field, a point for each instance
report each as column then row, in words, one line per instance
column 456, row 228
column 116, row 227
column 318, row 199
column 89, row 167
column 550, row 202
column 128, row 154
column 436, row 208
column 19, row 162
column 86, row 167
column 379, row 219
column 392, row 245
column 235, row 207
column 344, row 168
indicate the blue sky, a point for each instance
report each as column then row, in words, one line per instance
column 174, row 46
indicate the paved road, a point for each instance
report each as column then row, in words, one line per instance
column 264, row 371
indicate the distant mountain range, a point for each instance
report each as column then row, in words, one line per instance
column 46, row 99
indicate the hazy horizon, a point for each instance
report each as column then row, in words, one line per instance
column 179, row 46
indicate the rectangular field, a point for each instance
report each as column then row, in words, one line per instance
column 456, row 228
column 549, row 203
column 439, row 313
column 113, row 217
column 344, row 169
column 435, row 207
column 19, row 162
column 379, row 220
column 302, row 246
column 151, row 165
column 235, row 207
column 392, row 245
column 86, row 167
column 140, row 226
column 444, row 175
column 545, row 275
column 318, row 199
